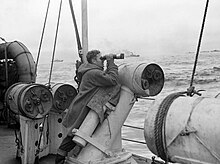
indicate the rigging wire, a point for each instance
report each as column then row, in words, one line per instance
column 199, row 43
column 76, row 30
column 42, row 35
column 79, row 46
column 55, row 41
column 3, row 39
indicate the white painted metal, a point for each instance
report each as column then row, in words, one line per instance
column 192, row 129
column 133, row 76
column 107, row 134
column 57, row 131
column 84, row 29
column 30, row 135
column 88, row 126
column 127, row 74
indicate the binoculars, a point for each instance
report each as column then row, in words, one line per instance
column 120, row 56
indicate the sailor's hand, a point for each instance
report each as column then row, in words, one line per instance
column 77, row 64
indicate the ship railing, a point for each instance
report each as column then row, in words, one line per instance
column 135, row 127
column 131, row 140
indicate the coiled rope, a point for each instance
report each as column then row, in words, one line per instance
column 159, row 124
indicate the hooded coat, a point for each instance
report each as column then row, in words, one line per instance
column 93, row 79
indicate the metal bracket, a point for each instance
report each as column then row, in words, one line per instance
column 92, row 142
column 187, row 130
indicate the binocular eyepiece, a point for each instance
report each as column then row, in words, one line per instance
column 120, row 56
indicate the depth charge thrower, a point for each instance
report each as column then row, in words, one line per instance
column 41, row 111
column 102, row 143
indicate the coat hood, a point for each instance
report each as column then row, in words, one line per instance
column 88, row 66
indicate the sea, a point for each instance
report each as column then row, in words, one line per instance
column 178, row 74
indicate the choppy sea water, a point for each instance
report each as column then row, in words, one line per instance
column 178, row 72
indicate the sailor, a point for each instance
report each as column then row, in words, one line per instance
column 93, row 79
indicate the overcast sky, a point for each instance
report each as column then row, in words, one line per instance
column 145, row 27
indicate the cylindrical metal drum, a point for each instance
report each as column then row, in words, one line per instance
column 142, row 79
column 30, row 100
column 63, row 95
column 184, row 129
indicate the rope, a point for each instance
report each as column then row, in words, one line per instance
column 41, row 40
column 18, row 141
column 159, row 124
column 3, row 39
column 36, row 160
column 199, row 43
column 76, row 31
column 58, row 21
column 78, row 63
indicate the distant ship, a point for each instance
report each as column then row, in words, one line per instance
column 58, row 60
column 205, row 51
column 132, row 55
column 178, row 129
column 215, row 51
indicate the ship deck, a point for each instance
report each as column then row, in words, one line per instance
column 8, row 150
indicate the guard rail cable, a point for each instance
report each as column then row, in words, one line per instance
column 130, row 140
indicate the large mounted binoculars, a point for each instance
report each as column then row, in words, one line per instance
column 120, row 56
